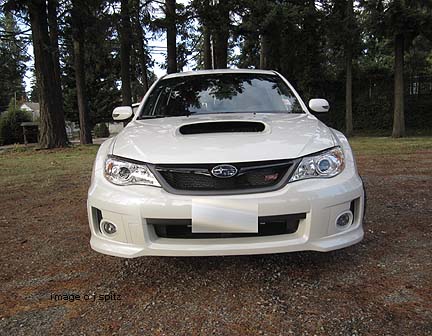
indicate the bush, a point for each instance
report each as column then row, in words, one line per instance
column 10, row 126
column 101, row 131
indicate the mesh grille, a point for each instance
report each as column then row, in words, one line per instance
column 199, row 178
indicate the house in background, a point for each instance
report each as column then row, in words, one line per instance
column 32, row 108
column 72, row 128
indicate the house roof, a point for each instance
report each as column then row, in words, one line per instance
column 32, row 106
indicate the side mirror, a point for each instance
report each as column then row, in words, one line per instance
column 122, row 113
column 319, row 105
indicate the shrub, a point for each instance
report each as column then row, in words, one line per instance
column 101, row 131
column 10, row 126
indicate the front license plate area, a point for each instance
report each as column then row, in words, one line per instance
column 224, row 216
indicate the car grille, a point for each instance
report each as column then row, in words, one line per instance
column 251, row 177
column 267, row 226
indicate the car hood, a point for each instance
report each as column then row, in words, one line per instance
column 285, row 136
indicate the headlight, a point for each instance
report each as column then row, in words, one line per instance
column 122, row 172
column 326, row 164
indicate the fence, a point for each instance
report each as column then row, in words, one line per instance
column 373, row 101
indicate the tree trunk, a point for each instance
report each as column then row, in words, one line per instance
column 399, row 117
column 53, row 33
column 348, row 94
column 221, row 50
column 348, row 83
column 125, row 52
column 264, row 54
column 207, row 57
column 221, row 35
column 52, row 124
column 79, row 61
column 171, row 35
column 140, row 46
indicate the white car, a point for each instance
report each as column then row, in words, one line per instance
column 224, row 162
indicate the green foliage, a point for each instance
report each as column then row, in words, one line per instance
column 10, row 125
column 101, row 131
column 34, row 91
column 407, row 17
column 140, row 17
column 102, row 66
column 373, row 102
column 12, row 60
column 102, row 61
column 293, row 33
column 306, row 42
column 418, row 59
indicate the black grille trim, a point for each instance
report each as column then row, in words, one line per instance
column 164, row 173
column 267, row 226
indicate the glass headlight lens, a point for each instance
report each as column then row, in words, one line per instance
column 122, row 172
column 327, row 164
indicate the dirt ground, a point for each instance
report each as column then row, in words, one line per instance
column 381, row 286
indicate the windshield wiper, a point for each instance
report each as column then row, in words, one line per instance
column 152, row 116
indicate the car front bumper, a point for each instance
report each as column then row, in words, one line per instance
column 322, row 200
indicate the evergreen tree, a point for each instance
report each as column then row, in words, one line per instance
column 13, row 56
column 125, row 52
column 171, row 35
column 101, row 64
column 401, row 21
column 140, row 17
column 52, row 124
column 78, row 20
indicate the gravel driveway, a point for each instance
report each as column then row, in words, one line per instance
column 52, row 283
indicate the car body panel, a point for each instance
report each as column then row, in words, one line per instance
column 286, row 136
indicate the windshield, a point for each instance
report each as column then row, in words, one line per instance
column 220, row 93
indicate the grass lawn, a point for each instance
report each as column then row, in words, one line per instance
column 32, row 167
column 387, row 146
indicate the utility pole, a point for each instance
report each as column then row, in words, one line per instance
column 212, row 51
column 213, row 3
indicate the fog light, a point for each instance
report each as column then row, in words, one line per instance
column 345, row 219
column 108, row 227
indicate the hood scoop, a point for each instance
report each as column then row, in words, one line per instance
column 223, row 127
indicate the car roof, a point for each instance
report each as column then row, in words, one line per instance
column 219, row 71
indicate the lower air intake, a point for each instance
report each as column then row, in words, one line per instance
column 267, row 226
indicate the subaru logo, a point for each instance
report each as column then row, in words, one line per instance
column 224, row 171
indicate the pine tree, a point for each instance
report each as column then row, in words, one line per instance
column 401, row 21
column 52, row 124
column 13, row 57
column 78, row 20
column 125, row 52
column 171, row 34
